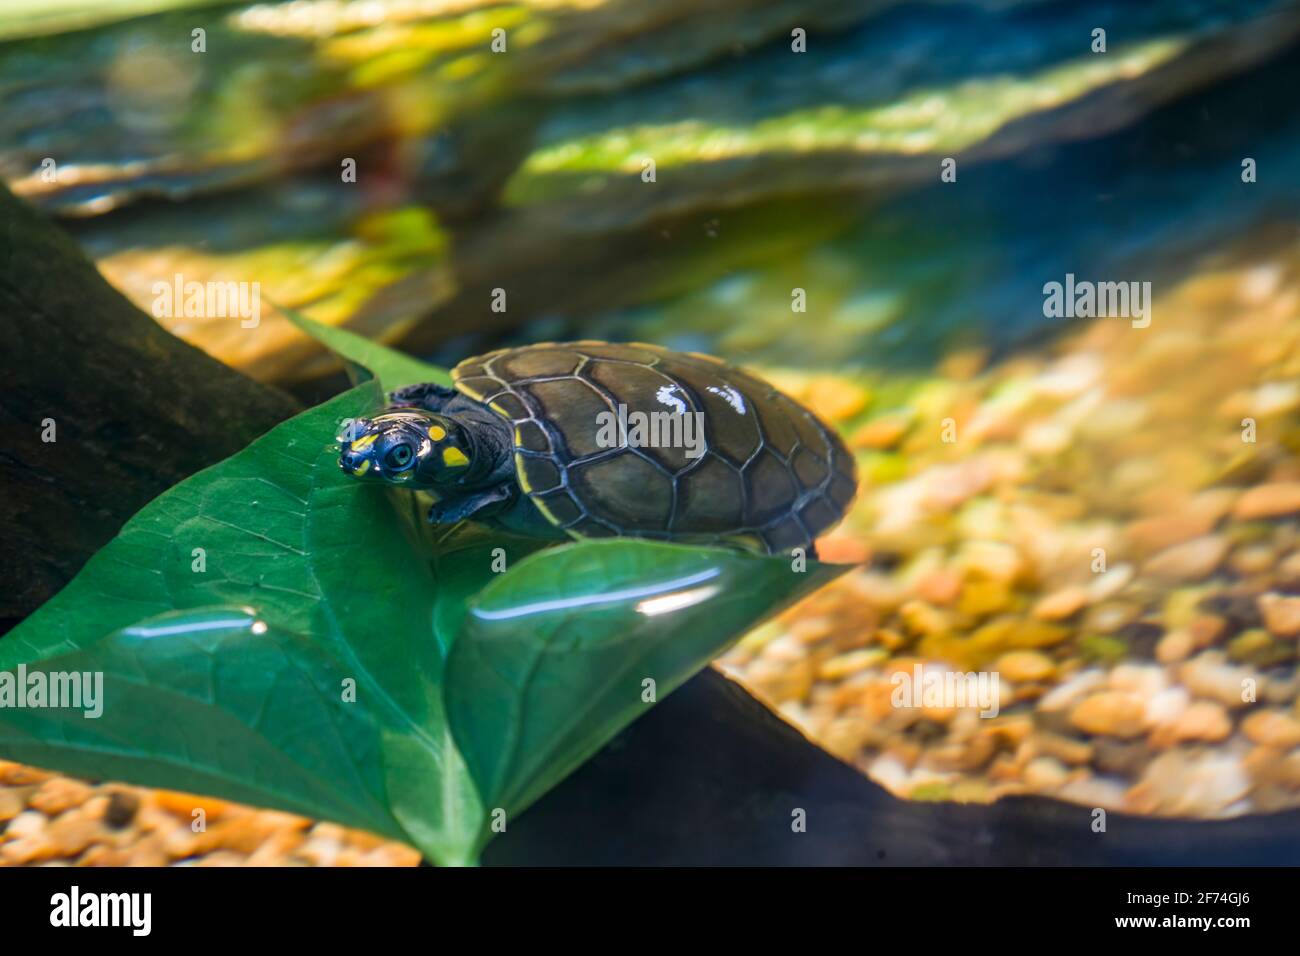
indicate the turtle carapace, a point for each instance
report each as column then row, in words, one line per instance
column 523, row 442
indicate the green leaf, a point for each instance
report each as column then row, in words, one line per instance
column 557, row 656
column 214, row 700
column 326, row 566
column 394, row 369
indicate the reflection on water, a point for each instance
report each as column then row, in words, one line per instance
column 651, row 599
column 198, row 621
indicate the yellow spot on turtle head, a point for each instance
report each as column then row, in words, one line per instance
column 437, row 432
column 365, row 441
column 365, row 467
column 454, row 458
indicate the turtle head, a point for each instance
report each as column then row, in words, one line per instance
column 406, row 446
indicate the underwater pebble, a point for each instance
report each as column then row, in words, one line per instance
column 1167, row 706
column 845, row 665
column 835, row 398
column 1110, row 713
column 13, row 800
column 16, row 775
column 1203, row 720
column 845, row 736
column 839, row 548
column 59, row 794
column 1276, row 775
column 1273, row 728
column 1025, row 666
column 1188, row 783
column 1210, row 676
column 1268, row 501
column 1276, row 398
column 1121, row 758
column 1109, row 618
column 121, row 809
column 1068, row 750
column 1260, row 283
column 921, row 618
column 1065, row 694
column 73, row 831
column 1252, row 559
column 1151, row 535
column 1070, row 376
column 1289, row 569
column 1061, row 604
column 1205, row 629
column 1045, row 773
column 1174, row 647
column 940, row 586
column 25, row 840
column 1046, row 438
column 1108, row 585
column 889, row 772
column 1094, row 791
column 1189, row 561
column 1144, row 680
column 880, row 434
column 30, row 823
column 1281, row 613
column 991, row 559
column 1257, row 646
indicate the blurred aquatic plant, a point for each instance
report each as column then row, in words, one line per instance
column 27, row 18
column 766, row 157
column 270, row 632
column 933, row 120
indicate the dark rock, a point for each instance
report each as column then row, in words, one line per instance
column 1122, row 758
column 1239, row 610
column 121, row 810
column 711, row 777
column 1141, row 638
column 135, row 409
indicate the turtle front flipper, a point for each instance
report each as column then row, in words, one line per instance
column 427, row 395
column 452, row 510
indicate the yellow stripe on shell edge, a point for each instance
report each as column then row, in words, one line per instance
column 522, row 477
column 466, row 390
column 751, row 542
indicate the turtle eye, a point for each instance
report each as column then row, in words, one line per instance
column 399, row 456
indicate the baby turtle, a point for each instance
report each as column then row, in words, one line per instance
column 593, row 439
